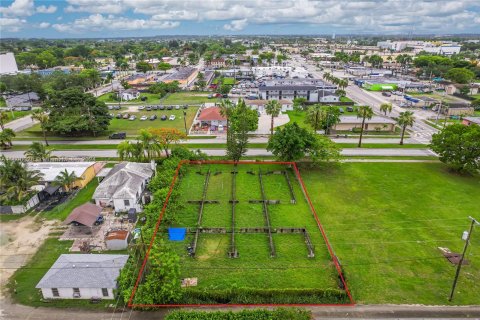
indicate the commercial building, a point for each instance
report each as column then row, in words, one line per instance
column 8, row 64
column 183, row 76
column 82, row 276
column 313, row 90
column 376, row 123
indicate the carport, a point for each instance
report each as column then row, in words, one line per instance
column 84, row 217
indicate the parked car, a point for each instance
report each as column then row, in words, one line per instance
column 161, row 108
column 172, row 117
column 118, row 116
column 143, row 118
column 386, row 94
column 185, row 106
column 116, row 107
column 148, row 108
column 99, row 220
column 118, row 135
column 177, row 107
column 141, row 108
column 154, row 107
column 210, row 96
column 110, row 107
column 153, row 117
column 132, row 118
column 169, row 107
column 341, row 110
column 126, row 116
column 350, row 109
column 163, row 117
column 225, row 96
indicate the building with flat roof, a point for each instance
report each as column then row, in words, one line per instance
column 8, row 64
column 376, row 123
column 85, row 171
column 183, row 76
column 288, row 89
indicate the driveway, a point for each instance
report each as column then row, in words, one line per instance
column 21, row 123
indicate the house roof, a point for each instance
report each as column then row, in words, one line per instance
column 473, row 119
column 123, row 181
column 84, row 271
column 50, row 170
column 209, row 114
column 85, row 214
column 264, row 102
column 117, row 235
column 22, row 100
column 375, row 119
column 181, row 74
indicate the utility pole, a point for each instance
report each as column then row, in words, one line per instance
column 185, row 121
column 459, row 266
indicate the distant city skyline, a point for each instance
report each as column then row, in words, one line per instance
column 146, row 18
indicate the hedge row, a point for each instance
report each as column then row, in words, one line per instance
column 260, row 314
column 264, row 296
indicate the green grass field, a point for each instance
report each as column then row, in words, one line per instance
column 254, row 268
column 189, row 98
column 151, row 99
column 226, row 81
column 386, row 221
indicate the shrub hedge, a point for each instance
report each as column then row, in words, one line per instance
column 259, row 314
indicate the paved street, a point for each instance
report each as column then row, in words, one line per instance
column 393, row 152
column 20, row 123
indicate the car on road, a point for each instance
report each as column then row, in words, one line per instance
column 163, row 117
column 132, row 118
column 172, row 117
column 118, row 135
column 126, row 116
column 153, row 117
column 143, row 118
column 141, row 108
column 386, row 94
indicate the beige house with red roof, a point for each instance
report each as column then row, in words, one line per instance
column 210, row 120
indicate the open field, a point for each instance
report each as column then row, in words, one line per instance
column 189, row 98
column 386, row 221
column 151, row 99
column 256, row 266
column 130, row 127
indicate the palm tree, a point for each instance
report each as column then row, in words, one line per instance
column 327, row 76
column 42, row 117
column 364, row 112
column 6, row 137
column 273, row 108
column 225, row 109
column 386, row 107
column 3, row 119
column 314, row 117
column 15, row 179
column 66, row 179
column 124, row 150
column 38, row 152
column 405, row 119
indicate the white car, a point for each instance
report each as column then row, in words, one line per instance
column 172, row 117
column 132, row 118
column 177, row 107
column 143, row 118
column 141, row 107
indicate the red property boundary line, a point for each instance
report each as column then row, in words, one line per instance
column 322, row 230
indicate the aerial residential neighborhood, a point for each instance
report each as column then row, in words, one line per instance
column 239, row 160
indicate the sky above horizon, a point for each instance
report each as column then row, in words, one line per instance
column 137, row 18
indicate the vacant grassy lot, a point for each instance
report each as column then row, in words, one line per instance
column 254, row 268
column 386, row 221
column 130, row 127
column 189, row 98
column 151, row 99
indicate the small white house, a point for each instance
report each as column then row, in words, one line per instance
column 82, row 276
column 124, row 186
column 130, row 94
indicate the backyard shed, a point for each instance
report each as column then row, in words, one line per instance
column 117, row 239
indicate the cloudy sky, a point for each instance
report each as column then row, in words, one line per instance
column 119, row 18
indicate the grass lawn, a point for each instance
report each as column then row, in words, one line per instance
column 61, row 211
column 386, row 221
column 189, row 98
column 152, row 98
column 124, row 125
column 226, row 81
column 345, row 99
column 26, row 278
column 254, row 268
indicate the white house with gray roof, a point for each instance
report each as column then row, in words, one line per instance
column 124, row 186
column 82, row 276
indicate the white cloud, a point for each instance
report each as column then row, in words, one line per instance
column 45, row 9
column 236, row 25
column 96, row 6
column 12, row 24
column 44, row 25
column 98, row 22
column 18, row 8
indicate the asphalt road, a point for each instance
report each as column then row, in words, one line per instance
column 20, row 123
column 221, row 152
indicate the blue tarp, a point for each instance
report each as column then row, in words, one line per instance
column 177, row 234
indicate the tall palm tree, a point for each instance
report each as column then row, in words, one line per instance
column 124, row 150
column 16, row 180
column 3, row 119
column 326, row 76
column 314, row 117
column 66, row 179
column 404, row 120
column 225, row 109
column 42, row 117
column 386, row 107
column 364, row 112
column 273, row 109
column 38, row 152
column 26, row 180
column 145, row 138
column 6, row 137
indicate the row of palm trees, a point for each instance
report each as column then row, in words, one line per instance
column 341, row 83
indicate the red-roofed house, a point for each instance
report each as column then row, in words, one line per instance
column 210, row 120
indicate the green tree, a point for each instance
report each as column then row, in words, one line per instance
column 38, row 152
column 42, row 117
column 16, row 180
column 406, row 119
column 73, row 112
column 241, row 120
column 459, row 147
column 66, row 179
column 476, row 104
column 6, row 137
column 92, row 77
column 293, row 143
column 314, row 117
column 386, row 107
column 3, row 119
column 364, row 112
column 124, row 150
column 330, row 116
column 163, row 66
column 460, row 75
column 165, row 137
column 273, row 109
column 299, row 103
column 143, row 66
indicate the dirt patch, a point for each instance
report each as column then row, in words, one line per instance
column 20, row 240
